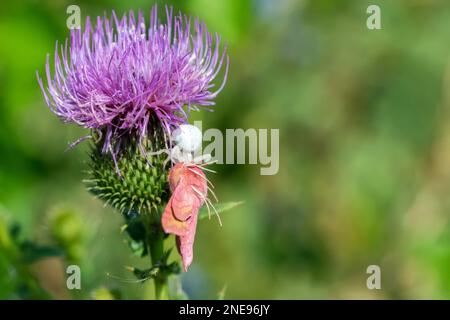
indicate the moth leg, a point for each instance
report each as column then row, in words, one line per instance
column 210, row 189
column 204, row 200
column 203, row 177
column 217, row 214
column 208, row 203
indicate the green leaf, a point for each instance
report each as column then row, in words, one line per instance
column 221, row 207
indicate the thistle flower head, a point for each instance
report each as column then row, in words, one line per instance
column 120, row 75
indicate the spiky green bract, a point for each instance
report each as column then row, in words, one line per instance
column 138, row 183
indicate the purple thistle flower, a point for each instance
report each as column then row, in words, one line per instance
column 118, row 76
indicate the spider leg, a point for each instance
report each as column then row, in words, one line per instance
column 157, row 153
column 77, row 142
column 166, row 161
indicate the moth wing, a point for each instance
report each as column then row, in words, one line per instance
column 185, row 201
column 185, row 243
column 189, row 190
column 175, row 175
column 197, row 179
column 171, row 224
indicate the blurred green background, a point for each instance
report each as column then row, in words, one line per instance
column 364, row 157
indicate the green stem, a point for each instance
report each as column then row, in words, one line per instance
column 156, row 248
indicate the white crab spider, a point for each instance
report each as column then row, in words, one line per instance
column 187, row 139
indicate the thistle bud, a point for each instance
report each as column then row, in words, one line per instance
column 136, row 182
